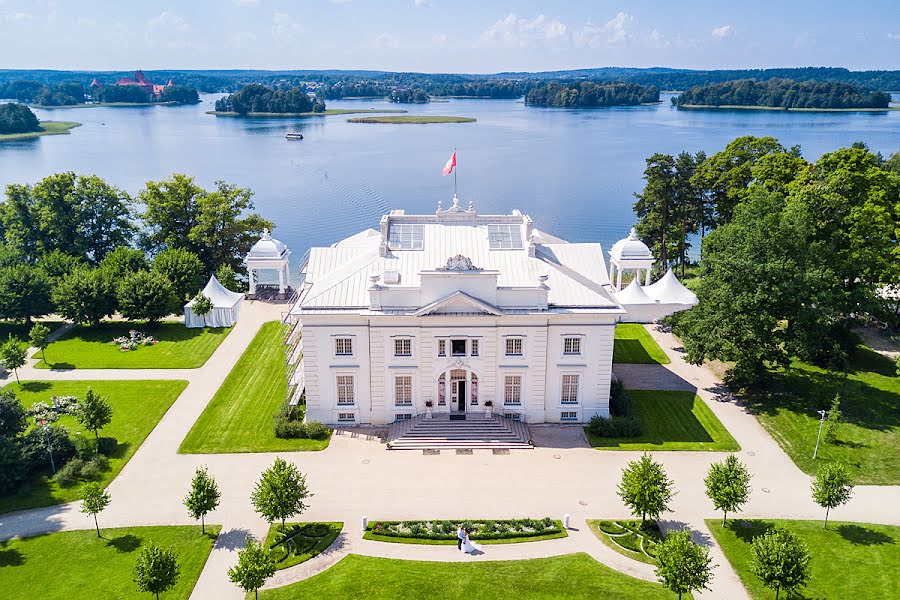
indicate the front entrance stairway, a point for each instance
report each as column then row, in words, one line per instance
column 476, row 432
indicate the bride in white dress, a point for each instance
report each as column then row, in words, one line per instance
column 468, row 546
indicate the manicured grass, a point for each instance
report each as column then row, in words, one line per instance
column 76, row 565
column 573, row 576
column 92, row 347
column 137, row 407
column 848, row 560
column 328, row 111
column 628, row 538
column 47, row 128
column 633, row 344
column 239, row 417
column 305, row 541
column 414, row 119
column 869, row 436
column 672, row 420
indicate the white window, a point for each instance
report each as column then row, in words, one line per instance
column 406, row 236
column 402, row 347
column 512, row 390
column 504, row 237
column 568, row 415
column 572, row 345
column 345, row 392
column 513, row 346
column 474, row 347
column 513, row 416
column 442, row 347
column 403, row 390
column 570, row 388
column 343, row 417
column 343, row 346
column 403, row 417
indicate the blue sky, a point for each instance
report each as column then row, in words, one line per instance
column 446, row 35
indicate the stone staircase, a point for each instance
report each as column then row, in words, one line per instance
column 476, row 432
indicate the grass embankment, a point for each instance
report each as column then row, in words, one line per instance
column 76, row 565
column 671, row 420
column 848, row 560
column 137, row 406
column 303, row 542
column 47, row 128
column 633, row 344
column 328, row 111
column 869, row 434
column 629, row 538
column 413, row 119
column 573, row 576
column 782, row 109
column 239, row 417
column 92, row 347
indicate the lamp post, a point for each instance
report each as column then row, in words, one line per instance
column 818, row 437
column 43, row 423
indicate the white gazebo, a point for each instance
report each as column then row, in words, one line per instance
column 268, row 254
column 629, row 254
column 225, row 311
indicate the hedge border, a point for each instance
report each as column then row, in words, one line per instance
column 559, row 532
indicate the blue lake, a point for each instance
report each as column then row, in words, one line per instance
column 573, row 171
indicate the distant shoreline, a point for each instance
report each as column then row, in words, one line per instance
column 413, row 119
column 781, row 109
column 328, row 111
column 47, row 128
column 113, row 105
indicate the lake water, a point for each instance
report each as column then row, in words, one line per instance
column 573, row 171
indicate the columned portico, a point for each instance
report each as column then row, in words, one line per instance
column 268, row 254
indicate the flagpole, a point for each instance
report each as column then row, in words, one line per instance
column 455, row 169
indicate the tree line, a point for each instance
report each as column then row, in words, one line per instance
column 17, row 118
column 69, row 93
column 586, row 94
column 409, row 96
column 792, row 250
column 783, row 93
column 256, row 98
column 78, row 246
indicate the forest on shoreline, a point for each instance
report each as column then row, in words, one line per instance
column 783, row 93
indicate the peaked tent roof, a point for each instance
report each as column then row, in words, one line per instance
column 668, row 290
column 220, row 296
column 634, row 294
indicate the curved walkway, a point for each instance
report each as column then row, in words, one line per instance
column 356, row 476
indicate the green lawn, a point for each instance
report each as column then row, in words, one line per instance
column 672, row 420
column 239, row 417
column 47, row 128
column 633, row 344
column 867, row 440
column 76, row 565
column 137, row 408
column 305, row 541
column 92, row 347
column 573, row 576
column 628, row 538
column 849, row 560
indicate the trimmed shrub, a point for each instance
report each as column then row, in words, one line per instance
column 286, row 429
column 69, row 474
column 90, row 471
column 620, row 403
column 34, row 448
column 614, row 427
column 480, row 530
column 317, row 431
column 85, row 447
column 107, row 446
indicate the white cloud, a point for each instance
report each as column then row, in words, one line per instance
column 516, row 32
column 722, row 32
column 617, row 27
column 386, row 40
column 167, row 20
column 246, row 2
column 421, row 3
column 657, row 40
column 17, row 17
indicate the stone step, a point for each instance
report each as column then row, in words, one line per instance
column 473, row 433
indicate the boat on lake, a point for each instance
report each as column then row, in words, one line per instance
column 294, row 135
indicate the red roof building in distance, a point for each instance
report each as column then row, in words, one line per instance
column 141, row 81
column 95, row 83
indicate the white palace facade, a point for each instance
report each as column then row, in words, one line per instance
column 457, row 312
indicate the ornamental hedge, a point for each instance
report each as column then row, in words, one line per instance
column 486, row 529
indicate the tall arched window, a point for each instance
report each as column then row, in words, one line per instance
column 474, row 390
column 442, row 390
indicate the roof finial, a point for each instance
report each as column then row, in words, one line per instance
column 440, row 209
column 471, row 206
column 265, row 234
column 632, row 235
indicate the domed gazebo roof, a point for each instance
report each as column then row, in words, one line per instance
column 631, row 248
column 267, row 247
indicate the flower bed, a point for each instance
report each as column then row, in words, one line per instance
column 484, row 530
column 629, row 538
column 133, row 340
column 300, row 541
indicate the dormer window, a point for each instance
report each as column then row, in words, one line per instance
column 505, row 237
column 406, row 236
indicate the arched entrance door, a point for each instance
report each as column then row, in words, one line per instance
column 458, row 388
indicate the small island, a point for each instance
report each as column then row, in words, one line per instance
column 17, row 122
column 413, row 119
column 783, row 94
column 588, row 94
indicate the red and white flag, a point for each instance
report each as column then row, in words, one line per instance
column 451, row 164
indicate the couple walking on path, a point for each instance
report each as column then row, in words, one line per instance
column 464, row 543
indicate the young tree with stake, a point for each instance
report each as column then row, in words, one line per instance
column 645, row 488
column 13, row 355
column 728, row 485
column 95, row 500
column 280, row 492
column 203, row 497
column 831, row 487
column 255, row 565
column 156, row 569
column 201, row 306
column 780, row 560
column 94, row 412
column 681, row 565
column 39, row 336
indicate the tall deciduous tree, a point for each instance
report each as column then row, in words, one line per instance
column 182, row 268
column 156, row 569
column 728, row 485
column 780, row 560
column 13, row 355
column 95, row 499
column 681, row 565
column 281, row 492
column 655, row 208
column 86, row 296
column 94, row 412
column 170, row 212
column 123, row 261
column 146, row 296
column 831, row 487
column 203, row 497
column 645, row 488
column 24, row 293
column 255, row 565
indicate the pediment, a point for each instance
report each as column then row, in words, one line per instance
column 458, row 303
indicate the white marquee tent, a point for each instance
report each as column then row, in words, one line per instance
column 225, row 311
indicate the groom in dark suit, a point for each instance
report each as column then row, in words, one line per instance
column 460, row 536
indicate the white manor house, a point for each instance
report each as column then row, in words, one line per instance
column 458, row 312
